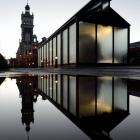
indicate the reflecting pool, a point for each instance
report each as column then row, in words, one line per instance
column 69, row 107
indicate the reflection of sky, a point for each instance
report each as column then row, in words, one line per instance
column 49, row 122
column 10, row 106
column 50, row 15
column 129, row 128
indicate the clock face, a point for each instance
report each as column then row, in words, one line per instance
column 27, row 37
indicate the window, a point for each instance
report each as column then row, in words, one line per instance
column 104, row 95
column 120, row 45
column 120, row 94
column 104, row 44
column 65, row 91
column 72, row 43
column 54, row 51
column 72, row 95
column 87, row 39
column 65, row 46
column 59, row 48
column 51, row 52
column 87, row 94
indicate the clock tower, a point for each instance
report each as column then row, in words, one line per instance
column 27, row 51
column 27, row 29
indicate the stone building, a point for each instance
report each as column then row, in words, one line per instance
column 27, row 52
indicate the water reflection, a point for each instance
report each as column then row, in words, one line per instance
column 64, row 105
column 28, row 88
column 95, row 104
column 134, row 87
column 1, row 80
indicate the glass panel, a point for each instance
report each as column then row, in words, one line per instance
column 41, row 54
column 65, row 91
column 120, row 94
column 54, row 87
column 47, row 54
column 87, row 92
column 120, row 45
column 42, row 85
column 39, row 82
column 45, row 85
column 65, row 47
column 44, row 55
column 104, row 95
column 51, row 52
column 72, row 95
column 39, row 59
column 59, row 48
column 54, row 51
column 72, row 43
column 104, row 44
column 51, row 86
column 59, row 90
column 48, row 85
column 87, row 40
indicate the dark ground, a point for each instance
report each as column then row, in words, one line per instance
column 119, row 71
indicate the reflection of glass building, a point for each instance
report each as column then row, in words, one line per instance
column 94, row 35
column 93, row 103
column 134, row 87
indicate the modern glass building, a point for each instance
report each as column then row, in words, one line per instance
column 94, row 35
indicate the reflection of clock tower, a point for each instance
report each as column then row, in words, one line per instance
column 27, row 28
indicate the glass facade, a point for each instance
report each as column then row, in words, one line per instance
column 87, row 40
column 48, row 85
column 51, row 86
column 51, row 52
column 104, row 44
column 59, row 49
column 95, row 45
column 87, row 92
column 72, row 44
column 120, row 45
column 44, row 55
column 65, row 46
column 54, row 51
column 59, row 89
column 47, row 50
column 104, row 95
column 39, row 56
column 45, row 85
column 65, row 91
column 72, row 95
column 120, row 94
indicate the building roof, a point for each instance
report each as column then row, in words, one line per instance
column 95, row 12
column 135, row 45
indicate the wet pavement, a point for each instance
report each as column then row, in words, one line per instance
column 119, row 71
